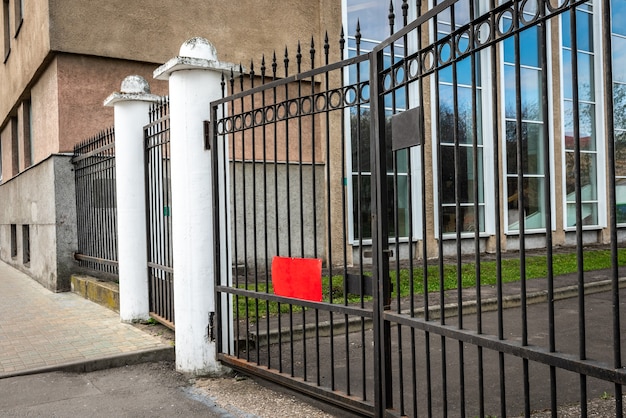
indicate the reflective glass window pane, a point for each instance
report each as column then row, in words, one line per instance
column 468, row 220
column 533, row 201
column 618, row 17
column 588, row 175
column 464, row 164
column 620, row 155
column 584, row 30
column 589, row 212
column 360, row 137
column 619, row 105
column 619, row 58
column 586, row 125
column 369, row 13
column 401, row 206
column 531, row 94
column 529, row 47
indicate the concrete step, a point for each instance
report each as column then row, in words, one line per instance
column 102, row 292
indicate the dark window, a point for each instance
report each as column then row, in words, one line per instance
column 6, row 29
column 25, row 244
column 13, row 240
column 19, row 15
column 27, row 141
column 15, row 159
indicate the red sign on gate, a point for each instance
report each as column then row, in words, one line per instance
column 299, row 278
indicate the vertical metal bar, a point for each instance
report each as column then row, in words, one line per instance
column 244, row 210
column 424, row 83
column 235, row 222
column 582, row 351
column 288, row 202
column 545, row 94
column 607, row 59
column 380, row 239
column 301, row 195
column 521, row 212
column 217, row 224
column 357, row 37
column 411, row 273
column 226, row 270
column 329, row 241
column 476, row 208
column 497, row 206
column 343, row 190
column 440, row 264
column 313, row 194
column 276, row 208
column 300, row 146
column 395, row 206
column 265, row 203
column 254, row 201
column 146, row 167
column 458, row 215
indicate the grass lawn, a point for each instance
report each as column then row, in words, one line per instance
column 536, row 267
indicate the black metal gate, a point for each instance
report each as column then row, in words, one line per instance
column 410, row 171
column 158, row 216
column 96, row 206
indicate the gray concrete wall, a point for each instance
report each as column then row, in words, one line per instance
column 277, row 219
column 41, row 197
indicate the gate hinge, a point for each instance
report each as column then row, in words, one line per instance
column 207, row 135
column 211, row 330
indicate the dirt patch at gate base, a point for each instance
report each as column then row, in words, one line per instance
column 243, row 397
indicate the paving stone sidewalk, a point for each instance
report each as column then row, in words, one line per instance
column 45, row 331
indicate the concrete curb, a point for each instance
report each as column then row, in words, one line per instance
column 450, row 310
column 91, row 365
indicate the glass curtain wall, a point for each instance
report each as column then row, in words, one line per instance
column 585, row 84
column 374, row 28
column 456, row 129
column 521, row 54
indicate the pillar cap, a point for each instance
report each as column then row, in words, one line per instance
column 195, row 54
column 134, row 88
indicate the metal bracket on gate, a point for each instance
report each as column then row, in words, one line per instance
column 406, row 129
column 207, row 135
column 211, row 329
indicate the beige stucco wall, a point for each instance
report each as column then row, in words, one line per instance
column 70, row 55
column 67, row 99
column 45, row 113
column 84, row 82
column 5, row 141
column 29, row 50
column 153, row 31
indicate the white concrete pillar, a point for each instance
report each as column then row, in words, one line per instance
column 131, row 107
column 195, row 81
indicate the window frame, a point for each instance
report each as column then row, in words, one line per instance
column 600, row 152
column 488, row 204
column 507, row 231
column 6, row 30
column 413, row 153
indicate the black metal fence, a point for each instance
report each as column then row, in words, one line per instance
column 159, row 220
column 96, row 207
column 444, row 165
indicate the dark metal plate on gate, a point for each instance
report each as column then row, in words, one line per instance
column 406, row 129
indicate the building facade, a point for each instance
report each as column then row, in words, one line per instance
column 62, row 59
column 545, row 101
